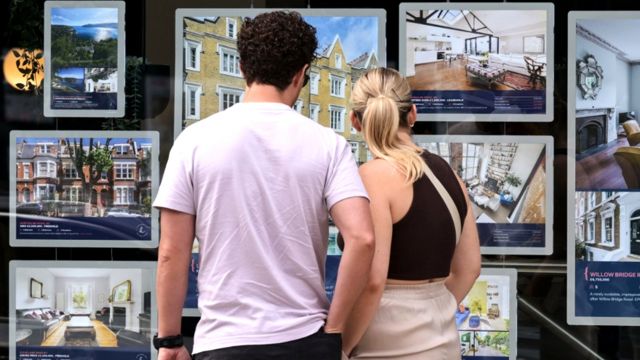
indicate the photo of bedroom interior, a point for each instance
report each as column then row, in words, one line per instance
column 88, row 307
column 476, row 49
column 505, row 181
column 607, row 137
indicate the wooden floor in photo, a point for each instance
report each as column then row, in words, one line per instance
column 104, row 336
column 442, row 76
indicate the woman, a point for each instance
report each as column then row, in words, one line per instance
column 427, row 250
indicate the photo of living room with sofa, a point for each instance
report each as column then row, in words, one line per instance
column 507, row 183
column 607, row 104
column 476, row 49
column 81, row 307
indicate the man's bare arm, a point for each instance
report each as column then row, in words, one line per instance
column 174, row 257
column 352, row 216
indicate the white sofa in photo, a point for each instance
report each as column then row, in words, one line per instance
column 515, row 62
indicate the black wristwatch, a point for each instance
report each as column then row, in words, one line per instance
column 167, row 341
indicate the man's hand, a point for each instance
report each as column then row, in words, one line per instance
column 179, row 353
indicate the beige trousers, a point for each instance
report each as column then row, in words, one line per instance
column 413, row 322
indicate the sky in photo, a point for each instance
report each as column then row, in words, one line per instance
column 358, row 34
column 71, row 72
column 82, row 16
column 114, row 141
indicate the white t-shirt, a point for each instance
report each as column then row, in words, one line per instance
column 260, row 179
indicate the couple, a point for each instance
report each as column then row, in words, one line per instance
column 255, row 184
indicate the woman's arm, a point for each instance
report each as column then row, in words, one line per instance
column 373, row 175
column 465, row 265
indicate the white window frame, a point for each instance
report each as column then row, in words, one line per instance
column 47, row 147
column 44, row 189
column 50, row 172
column 340, row 125
column 314, row 80
column 580, row 233
column 72, row 170
column 26, row 171
column 592, row 200
column 338, row 61
column 234, row 22
column 299, row 104
column 222, row 90
column 231, row 54
column 341, row 86
column 127, row 191
column 355, row 150
column 607, row 212
column 187, row 101
column 314, row 112
column 119, row 148
column 126, row 168
column 73, row 192
column 26, row 189
column 188, row 45
column 591, row 229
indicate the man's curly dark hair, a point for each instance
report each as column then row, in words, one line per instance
column 274, row 46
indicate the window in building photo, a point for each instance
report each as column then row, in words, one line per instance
column 192, row 55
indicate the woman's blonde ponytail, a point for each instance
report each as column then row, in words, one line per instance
column 382, row 99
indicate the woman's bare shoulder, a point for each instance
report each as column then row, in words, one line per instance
column 378, row 170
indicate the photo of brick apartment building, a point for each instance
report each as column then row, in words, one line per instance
column 83, row 177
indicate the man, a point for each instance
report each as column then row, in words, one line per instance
column 254, row 184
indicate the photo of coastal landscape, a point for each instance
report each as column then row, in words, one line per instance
column 86, row 67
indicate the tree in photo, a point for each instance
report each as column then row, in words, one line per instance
column 97, row 159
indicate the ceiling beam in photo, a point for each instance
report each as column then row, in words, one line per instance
column 476, row 26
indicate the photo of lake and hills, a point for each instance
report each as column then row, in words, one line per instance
column 84, row 58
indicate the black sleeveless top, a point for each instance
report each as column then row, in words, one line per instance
column 424, row 240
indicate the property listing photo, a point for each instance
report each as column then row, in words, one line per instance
column 348, row 45
column 505, row 181
column 483, row 318
column 476, row 49
column 63, row 310
column 607, row 102
column 72, row 189
column 84, row 47
column 607, row 226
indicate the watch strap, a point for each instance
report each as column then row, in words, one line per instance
column 173, row 341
